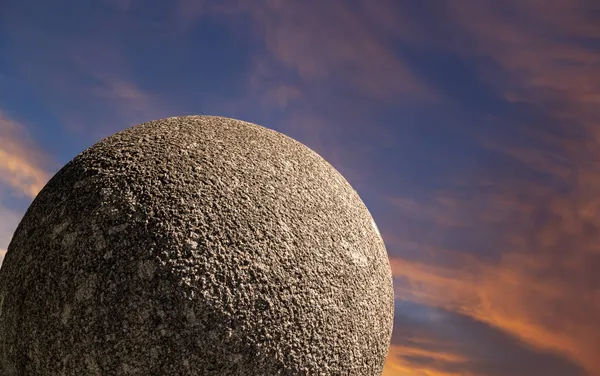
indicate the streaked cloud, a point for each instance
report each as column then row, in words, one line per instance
column 512, row 241
column 318, row 42
column 86, row 76
column 510, row 300
column 112, row 99
column 532, row 274
column 434, row 341
column 21, row 161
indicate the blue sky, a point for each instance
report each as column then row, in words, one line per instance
column 470, row 129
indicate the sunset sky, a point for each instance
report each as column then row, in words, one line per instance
column 470, row 128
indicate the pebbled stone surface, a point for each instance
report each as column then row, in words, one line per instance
column 196, row 245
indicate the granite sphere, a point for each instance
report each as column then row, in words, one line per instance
column 196, row 245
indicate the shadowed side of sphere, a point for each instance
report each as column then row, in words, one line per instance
column 196, row 245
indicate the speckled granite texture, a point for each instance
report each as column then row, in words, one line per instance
column 196, row 246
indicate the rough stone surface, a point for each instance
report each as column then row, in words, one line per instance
column 196, row 246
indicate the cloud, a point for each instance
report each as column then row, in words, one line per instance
column 511, row 239
column 320, row 42
column 434, row 341
column 399, row 362
column 542, row 53
column 22, row 164
column 109, row 99
column 87, row 78
column 527, row 284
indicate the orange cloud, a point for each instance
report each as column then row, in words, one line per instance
column 396, row 365
column 402, row 369
column 542, row 297
column 21, row 161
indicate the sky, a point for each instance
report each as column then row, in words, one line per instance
column 470, row 129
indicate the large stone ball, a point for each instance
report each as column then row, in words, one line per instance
column 196, row 245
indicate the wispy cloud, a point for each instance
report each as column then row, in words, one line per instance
column 21, row 161
column 398, row 363
column 532, row 275
column 435, row 341
column 98, row 71
column 508, row 298
column 514, row 243
column 316, row 42
column 87, row 78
